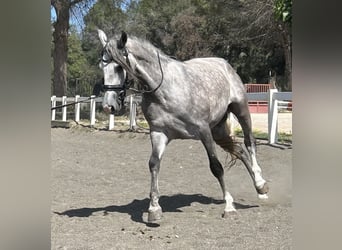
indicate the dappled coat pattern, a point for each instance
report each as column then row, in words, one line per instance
column 187, row 100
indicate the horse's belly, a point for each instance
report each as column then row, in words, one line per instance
column 183, row 116
column 175, row 128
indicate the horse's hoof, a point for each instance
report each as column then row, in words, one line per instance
column 264, row 189
column 227, row 214
column 154, row 215
column 263, row 196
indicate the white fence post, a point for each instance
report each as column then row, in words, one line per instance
column 132, row 113
column 64, row 109
column 134, row 124
column 77, row 108
column 232, row 123
column 111, row 122
column 92, row 110
column 272, row 117
column 53, row 104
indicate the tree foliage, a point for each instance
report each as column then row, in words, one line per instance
column 108, row 16
column 283, row 10
column 63, row 10
column 81, row 74
column 76, row 57
column 252, row 35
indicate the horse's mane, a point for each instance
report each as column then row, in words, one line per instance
column 142, row 48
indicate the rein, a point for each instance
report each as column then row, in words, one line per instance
column 72, row 103
column 161, row 81
column 123, row 88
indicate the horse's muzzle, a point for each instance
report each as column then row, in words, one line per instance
column 106, row 109
column 109, row 109
column 113, row 111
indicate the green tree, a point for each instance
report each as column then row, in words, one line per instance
column 80, row 74
column 283, row 13
column 151, row 19
column 247, row 33
column 262, row 26
column 77, row 62
column 188, row 29
column 60, row 39
column 106, row 15
column 234, row 30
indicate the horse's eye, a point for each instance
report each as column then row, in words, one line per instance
column 101, row 54
column 118, row 69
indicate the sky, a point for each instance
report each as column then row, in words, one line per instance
column 74, row 20
column 52, row 14
column 78, row 21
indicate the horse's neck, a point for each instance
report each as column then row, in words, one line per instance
column 145, row 78
column 150, row 74
column 148, row 71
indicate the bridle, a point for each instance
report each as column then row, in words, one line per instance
column 72, row 103
column 120, row 89
column 125, row 54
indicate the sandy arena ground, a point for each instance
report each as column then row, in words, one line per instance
column 259, row 122
column 100, row 187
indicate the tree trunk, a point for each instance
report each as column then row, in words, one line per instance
column 286, row 41
column 60, row 36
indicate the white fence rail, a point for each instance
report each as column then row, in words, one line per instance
column 272, row 96
column 92, row 102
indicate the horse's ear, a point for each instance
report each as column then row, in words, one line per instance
column 103, row 37
column 123, row 39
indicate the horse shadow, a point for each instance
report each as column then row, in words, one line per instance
column 137, row 208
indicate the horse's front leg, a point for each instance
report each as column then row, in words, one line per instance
column 159, row 142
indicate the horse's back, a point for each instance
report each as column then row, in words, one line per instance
column 232, row 79
column 217, row 75
column 211, row 76
column 211, row 72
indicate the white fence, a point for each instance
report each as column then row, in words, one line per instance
column 92, row 102
column 272, row 96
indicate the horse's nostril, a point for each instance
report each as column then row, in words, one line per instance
column 108, row 109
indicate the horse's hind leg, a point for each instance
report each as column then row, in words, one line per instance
column 217, row 169
column 159, row 142
column 241, row 111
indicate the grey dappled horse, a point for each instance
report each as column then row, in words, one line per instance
column 186, row 100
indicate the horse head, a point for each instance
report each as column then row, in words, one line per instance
column 138, row 58
column 114, row 80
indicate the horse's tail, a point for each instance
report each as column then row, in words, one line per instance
column 222, row 136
